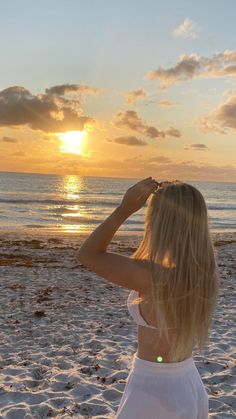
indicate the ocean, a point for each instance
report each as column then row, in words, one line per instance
column 78, row 204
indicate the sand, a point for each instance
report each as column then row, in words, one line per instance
column 67, row 339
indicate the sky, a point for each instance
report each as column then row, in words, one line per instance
column 123, row 89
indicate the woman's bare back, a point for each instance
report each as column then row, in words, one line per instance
column 150, row 343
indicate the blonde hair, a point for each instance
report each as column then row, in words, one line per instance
column 183, row 269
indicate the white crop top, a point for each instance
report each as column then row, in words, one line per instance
column 134, row 310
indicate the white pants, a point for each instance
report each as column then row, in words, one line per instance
column 163, row 391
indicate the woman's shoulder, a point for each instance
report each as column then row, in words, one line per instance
column 147, row 269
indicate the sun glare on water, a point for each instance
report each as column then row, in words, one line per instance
column 72, row 141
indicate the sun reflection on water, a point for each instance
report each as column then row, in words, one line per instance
column 77, row 228
column 72, row 188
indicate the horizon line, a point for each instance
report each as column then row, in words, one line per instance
column 109, row 177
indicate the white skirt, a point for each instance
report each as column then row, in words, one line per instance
column 163, row 391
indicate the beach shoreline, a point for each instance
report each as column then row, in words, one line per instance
column 66, row 352
column 45, row 232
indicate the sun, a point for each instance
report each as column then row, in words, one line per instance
column 72, row 141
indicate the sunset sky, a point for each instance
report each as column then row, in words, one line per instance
column 123, row 88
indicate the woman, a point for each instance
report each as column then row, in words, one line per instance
column 174, row 281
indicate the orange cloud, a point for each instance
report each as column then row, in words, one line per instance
column 9, row 140
column 164, row 170
column 160, row 159
column 199, row 147
column 165, row 103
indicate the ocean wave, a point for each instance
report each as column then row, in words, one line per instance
column 91, row 220
column 98, row 202
column 221, row 207
column 59, row 202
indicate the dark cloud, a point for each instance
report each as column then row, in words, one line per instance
column 134, row 95
column 173, row 132
column 48, row 112
column 187, row 68
column 153, row 132
column 129, row 140
column 201, row 147
column 194, row 66
column 226, row 114
column 221, row 118
column 131, row 120
column 9, row 140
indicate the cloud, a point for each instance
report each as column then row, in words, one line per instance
column 64, row 89
column 134, row 95
column 129, row 140
column 220, row 119
column 48, row 112
column 160, row 159
column 160, row 167
column 165, row 170
column 183, row 170
column 194, row 66
column 200, row 147
column 226, row 114
column 9, row 139
column 128, row 119
column 165, row 103
column 131, row 120
column 187, row 29
column 208, row 124
column 173, row 132
column 153, row 132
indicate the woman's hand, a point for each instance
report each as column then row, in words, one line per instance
column 136, row 196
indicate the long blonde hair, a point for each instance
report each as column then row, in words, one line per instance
column 183, row 269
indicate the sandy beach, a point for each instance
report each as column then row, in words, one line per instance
column 67, row 340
